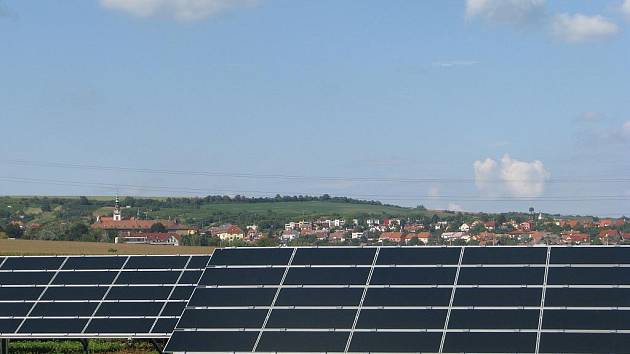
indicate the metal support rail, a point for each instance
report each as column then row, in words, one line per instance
column 52, row 279
column 356, row 317
column 105, row 295
column 450, row 303
column 273, row 302
column 190, row 298
column 181, row 274
column 542, row 301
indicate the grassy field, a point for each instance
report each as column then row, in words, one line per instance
column 36, row 247
column 291, row 209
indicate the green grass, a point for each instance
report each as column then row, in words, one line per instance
column 291, row 209
column 74, row 346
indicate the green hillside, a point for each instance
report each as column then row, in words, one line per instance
column 308, row 209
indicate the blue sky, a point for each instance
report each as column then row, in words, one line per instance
column 495, row 101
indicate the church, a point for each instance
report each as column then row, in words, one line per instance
column 127, row 226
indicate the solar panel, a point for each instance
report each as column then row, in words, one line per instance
column 88, row 296
column 410, row 299
column 331, row 299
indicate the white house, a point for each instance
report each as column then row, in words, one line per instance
column 452, row 236
column 464, row 228
column 357, row 235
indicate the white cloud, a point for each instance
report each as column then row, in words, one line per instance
column 517, row 178
column 625, row 8
column 486, row 175
column 523, row 179
column 181, row 10
column 580, row 28
column 506, row 11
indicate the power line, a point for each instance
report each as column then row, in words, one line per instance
column 566, row 179
column 384, row 197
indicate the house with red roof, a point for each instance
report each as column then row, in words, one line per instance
column 574, row 237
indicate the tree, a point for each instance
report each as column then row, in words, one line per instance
column 477, row 229
column 158, row 227
column 14, row 231
column 83, row 200
column 77, row 231
column 501, row 219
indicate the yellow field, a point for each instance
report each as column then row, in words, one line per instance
column 36, row 247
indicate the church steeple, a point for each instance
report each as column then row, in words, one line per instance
column 117, row 213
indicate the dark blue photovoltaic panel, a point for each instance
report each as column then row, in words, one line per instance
column 148, row 277
column 120, row 325
column 74, row 293
column 94, row 263
column 327, row 276
column 475, row 342
column 223, row 318
column 320, row 318
column 497, row 297
column 334, row 256
column 211, row 342
column 25, row 278
column 319, row 297
column 165, row 325
column 407, row 297
column 413, row 276
column 174, row 309
column 419, row 255
column 303, row 341
column 56, row 325
column 501, row 276
column 505, row 255
column 588, row 276
column 22, row 294
column 121, row 309
column 403, row 319
column 198, row 262
column 139, row 293
column 589, row 255
column 584, row 343
column 232, row 297
column 494, row 319
column 157, row 262
column 190, row 277
column 182, row 292
column 64, row 309
column 84, row 278
column 14, row 309
column 33, row 263
column 9, row 326
column 77, row 290
column 619, row 297
column 242, row 276
column 251, row 256
column 586, row 319
column 392, row 342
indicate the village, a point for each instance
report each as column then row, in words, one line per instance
column 460, row 229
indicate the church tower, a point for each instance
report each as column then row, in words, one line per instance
column 117, row 214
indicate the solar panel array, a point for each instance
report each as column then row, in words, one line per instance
column 95, row 296
column 410, row 299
